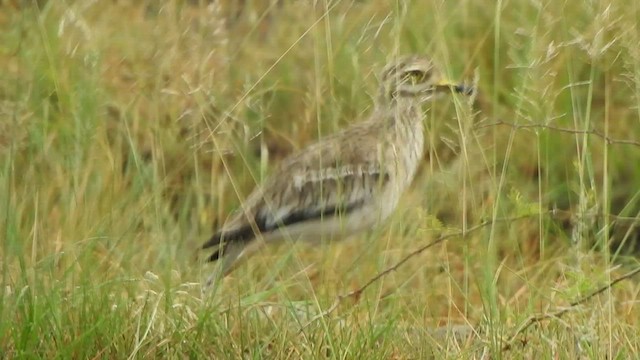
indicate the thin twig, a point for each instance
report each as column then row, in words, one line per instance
column 357, row 292
column 592, row 131
column 567, row 214
column 535, row 319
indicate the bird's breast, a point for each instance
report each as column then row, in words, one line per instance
column 407, row 148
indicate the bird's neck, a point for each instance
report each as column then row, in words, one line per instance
column 393, row 100
column 406, row 112
column 403, row 118
column 404, row 124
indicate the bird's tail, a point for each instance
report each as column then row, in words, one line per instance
column 231, row 255
column 233, row 245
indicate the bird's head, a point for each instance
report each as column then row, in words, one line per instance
column 417, row 78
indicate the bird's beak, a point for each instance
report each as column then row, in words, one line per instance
column 447, row 85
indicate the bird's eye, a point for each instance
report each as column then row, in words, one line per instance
column 415, row 76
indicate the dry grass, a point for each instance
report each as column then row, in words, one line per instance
column 128, row 128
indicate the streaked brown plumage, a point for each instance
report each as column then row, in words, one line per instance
column 346, row 182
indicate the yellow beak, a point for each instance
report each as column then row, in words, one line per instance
column 445, row 82
column 447, row 85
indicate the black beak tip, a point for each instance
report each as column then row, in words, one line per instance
column 464, row 89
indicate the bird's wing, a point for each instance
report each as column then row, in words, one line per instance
column 314, row 194
column 327, row 179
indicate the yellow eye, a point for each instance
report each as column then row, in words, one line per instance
column 416, row 76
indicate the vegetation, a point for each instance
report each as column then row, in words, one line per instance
column 128, row 128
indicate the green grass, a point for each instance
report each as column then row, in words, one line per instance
column 126, row 131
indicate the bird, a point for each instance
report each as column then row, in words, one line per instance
column 346, row 182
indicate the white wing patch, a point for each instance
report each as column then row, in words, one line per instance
column 318, row 176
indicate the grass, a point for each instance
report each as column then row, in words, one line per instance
column 128, row 129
